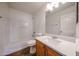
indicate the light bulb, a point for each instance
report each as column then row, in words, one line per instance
column 49, row 7
column 56, row 5
column 63, row 2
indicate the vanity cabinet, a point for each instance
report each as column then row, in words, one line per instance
column 40, row 49
column 43, row 50
column 51, row 52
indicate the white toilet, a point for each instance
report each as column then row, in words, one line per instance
column 31, row 44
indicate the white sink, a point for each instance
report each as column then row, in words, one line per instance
column 49, row 39
column 46, row 37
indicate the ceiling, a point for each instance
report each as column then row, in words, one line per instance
column 29, row 7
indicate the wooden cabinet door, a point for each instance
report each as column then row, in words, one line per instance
column 50, row 52
column 40, row 51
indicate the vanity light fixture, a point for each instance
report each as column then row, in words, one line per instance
column 50, row 6
column 55, row 4
column 63, row 2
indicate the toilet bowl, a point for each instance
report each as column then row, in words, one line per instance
column 31, row 44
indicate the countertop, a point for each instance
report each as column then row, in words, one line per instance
column 60, row 45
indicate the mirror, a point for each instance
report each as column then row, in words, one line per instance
column 61, row 20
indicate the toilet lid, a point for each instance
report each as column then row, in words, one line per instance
column 31, row 42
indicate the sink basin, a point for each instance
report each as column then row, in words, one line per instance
column 49, row 39
column 46, row 37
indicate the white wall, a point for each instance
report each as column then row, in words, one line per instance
column 20, row 30
column 3, row 26
column 39, row 21
column 53, row 24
